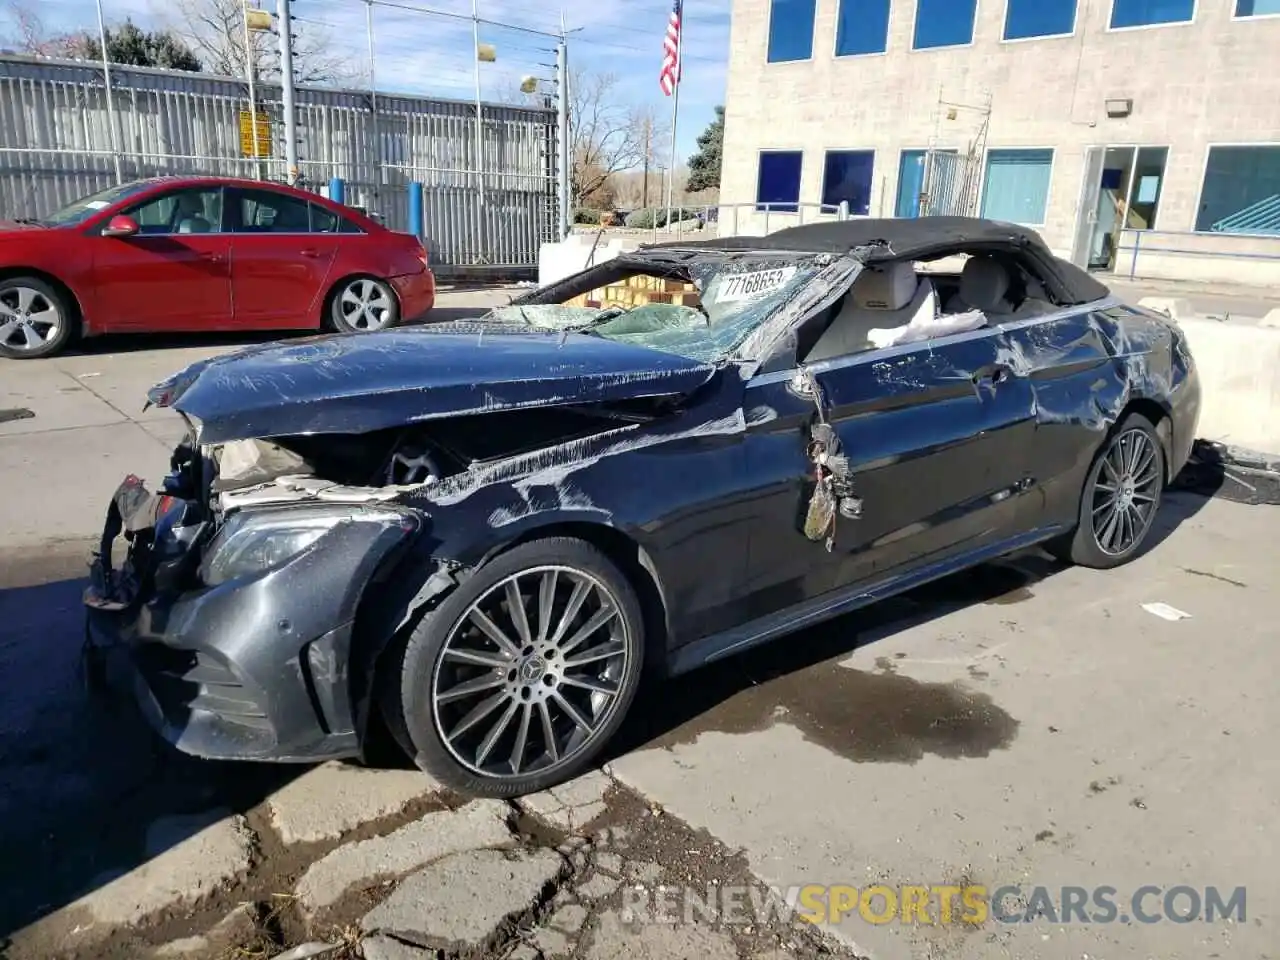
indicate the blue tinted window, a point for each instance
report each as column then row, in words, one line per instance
column 1016, row 186
column 944, row 23
column 910, row 183
column 779, row 182
column 1257, row 8
column 1241, row 191
column 847, row 178
column 1039, row 18
column 790, row 30
column 1145, row 13
column 862, row 26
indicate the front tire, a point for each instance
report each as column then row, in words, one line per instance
column 363, row 305
column 1120, row 500
column 519, row 679
column 35, row 319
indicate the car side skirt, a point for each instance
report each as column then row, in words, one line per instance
column 845, row 600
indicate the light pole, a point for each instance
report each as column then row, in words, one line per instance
column 286, row 90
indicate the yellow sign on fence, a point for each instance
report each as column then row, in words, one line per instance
column 249, row 131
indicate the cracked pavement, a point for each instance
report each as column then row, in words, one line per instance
column 1022, row 723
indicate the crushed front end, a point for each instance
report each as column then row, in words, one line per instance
column 233, row 626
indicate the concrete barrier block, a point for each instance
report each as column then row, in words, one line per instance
column 1239, row 368
column 559, row 260
column 1173, row 307
column 1272, row 319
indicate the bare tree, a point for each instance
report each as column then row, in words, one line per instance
column 214, row 29
column 607, row 136
column 29, row 35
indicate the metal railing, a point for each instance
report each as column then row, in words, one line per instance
column 1141, row 246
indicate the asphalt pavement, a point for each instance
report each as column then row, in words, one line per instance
column 1023, row 724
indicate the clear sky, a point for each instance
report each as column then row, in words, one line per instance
column 421, row 53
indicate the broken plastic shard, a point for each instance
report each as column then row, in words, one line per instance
column 821, row 515
column 851, row 508
column 1166, row 612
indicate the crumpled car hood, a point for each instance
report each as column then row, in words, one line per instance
column 358, row 383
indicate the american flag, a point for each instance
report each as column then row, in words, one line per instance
column 669, row 76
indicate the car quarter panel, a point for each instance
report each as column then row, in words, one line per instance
column 1088, row 366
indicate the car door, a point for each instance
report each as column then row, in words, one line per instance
column 935, row 435
column 174, row 274
column 280, row 265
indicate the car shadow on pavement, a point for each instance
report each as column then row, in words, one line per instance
column 83, row 781
column 791, row 673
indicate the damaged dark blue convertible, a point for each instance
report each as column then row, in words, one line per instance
column 477, row 536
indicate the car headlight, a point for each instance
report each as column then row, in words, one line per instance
column 249, row 544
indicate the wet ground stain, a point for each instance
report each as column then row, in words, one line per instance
column 863, row 716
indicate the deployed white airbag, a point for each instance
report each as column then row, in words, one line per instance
column 927, row 324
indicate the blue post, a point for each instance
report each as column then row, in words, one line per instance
column 337, row 190
column 415, row 208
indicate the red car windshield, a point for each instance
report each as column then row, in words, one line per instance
column 84, row 208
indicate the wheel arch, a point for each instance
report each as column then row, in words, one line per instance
column 325, row 321
column 1161, row 418
column 415, row 585
column 631, row 558
column 73, row 300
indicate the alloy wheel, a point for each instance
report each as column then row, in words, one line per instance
column 1125, row 492
column 531, row 672
column 28, row 319
column 365, row 305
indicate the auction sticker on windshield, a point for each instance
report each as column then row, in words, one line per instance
column 745, row 286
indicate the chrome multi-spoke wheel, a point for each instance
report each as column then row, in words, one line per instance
column 519, row 678
column 1120, row 499
column 1126, row 491
column 364, row 305
column 33, row 319
column 531, row 672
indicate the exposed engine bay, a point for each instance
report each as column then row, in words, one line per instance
column 382, row 464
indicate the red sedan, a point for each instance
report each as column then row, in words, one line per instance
column 203, row 253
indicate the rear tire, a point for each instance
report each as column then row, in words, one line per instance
column 1121, row 497
column 36, row 319
column 362, row 305
column 521, row 676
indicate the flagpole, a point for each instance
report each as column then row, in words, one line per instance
column 114, row 133
column 675, row 113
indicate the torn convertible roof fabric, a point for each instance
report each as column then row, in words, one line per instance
column 920, row 238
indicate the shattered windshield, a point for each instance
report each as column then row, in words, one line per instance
column 733, row 299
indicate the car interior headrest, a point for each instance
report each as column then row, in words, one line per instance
column 984, row 284
column 889, row 286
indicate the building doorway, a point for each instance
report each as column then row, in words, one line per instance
column 1122, row 187
column 935, row 183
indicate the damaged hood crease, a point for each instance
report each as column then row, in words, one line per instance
column 365, row 382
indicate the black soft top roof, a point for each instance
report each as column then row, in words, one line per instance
column 921, row 238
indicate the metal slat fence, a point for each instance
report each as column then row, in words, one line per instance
column 57, row 144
